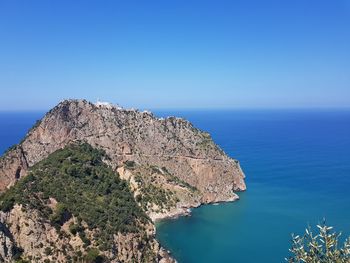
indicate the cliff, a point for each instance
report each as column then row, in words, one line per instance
column 72, row 207
column 129, row 135
column 168, row 164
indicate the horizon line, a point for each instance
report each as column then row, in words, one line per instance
column 195, row 109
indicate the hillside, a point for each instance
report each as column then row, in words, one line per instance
column 83, row 211
column 96, row 176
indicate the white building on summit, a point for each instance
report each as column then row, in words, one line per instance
column 107, row 105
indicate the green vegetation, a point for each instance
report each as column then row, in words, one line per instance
column 48, row 251
column 206, row 141
column 21, row 260
column 320, row 248
column 60, row 215
column 84, row 187
column 93, row 256
column 130, row 164
column 75, row 228
column 178, row 181
column 152, row 194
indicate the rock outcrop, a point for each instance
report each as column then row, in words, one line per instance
column 129, row 135
column 25, row 234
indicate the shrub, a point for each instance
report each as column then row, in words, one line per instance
column 21, row 260
column 85, row 240
column 322, row 247
column 130, row 164
column 48, row 251
column 84, row 186
column 75, row 228
column 61, row 215
column 93, row 256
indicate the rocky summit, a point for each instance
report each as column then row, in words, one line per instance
column 88, row 181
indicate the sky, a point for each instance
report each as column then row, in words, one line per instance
column 175, row 53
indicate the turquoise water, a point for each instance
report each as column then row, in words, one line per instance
column 297, row 165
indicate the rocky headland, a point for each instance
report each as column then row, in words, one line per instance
column 148, row 168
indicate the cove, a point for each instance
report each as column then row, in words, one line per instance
column 298, row 172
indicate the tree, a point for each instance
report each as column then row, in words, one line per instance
column 93, row 256
column 320, row 248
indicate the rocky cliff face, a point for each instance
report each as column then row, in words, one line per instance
column 72, row 207
column 170, row 166
column 129, row 135
column 24, row 234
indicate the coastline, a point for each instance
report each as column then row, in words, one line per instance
column 186, row 210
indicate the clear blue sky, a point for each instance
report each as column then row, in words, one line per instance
column 175, row 54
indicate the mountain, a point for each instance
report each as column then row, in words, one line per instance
column 89, row 180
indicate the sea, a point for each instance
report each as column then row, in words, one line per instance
column 297, row 167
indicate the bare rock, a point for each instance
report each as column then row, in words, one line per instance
column 161, row 159
column 173, row 143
